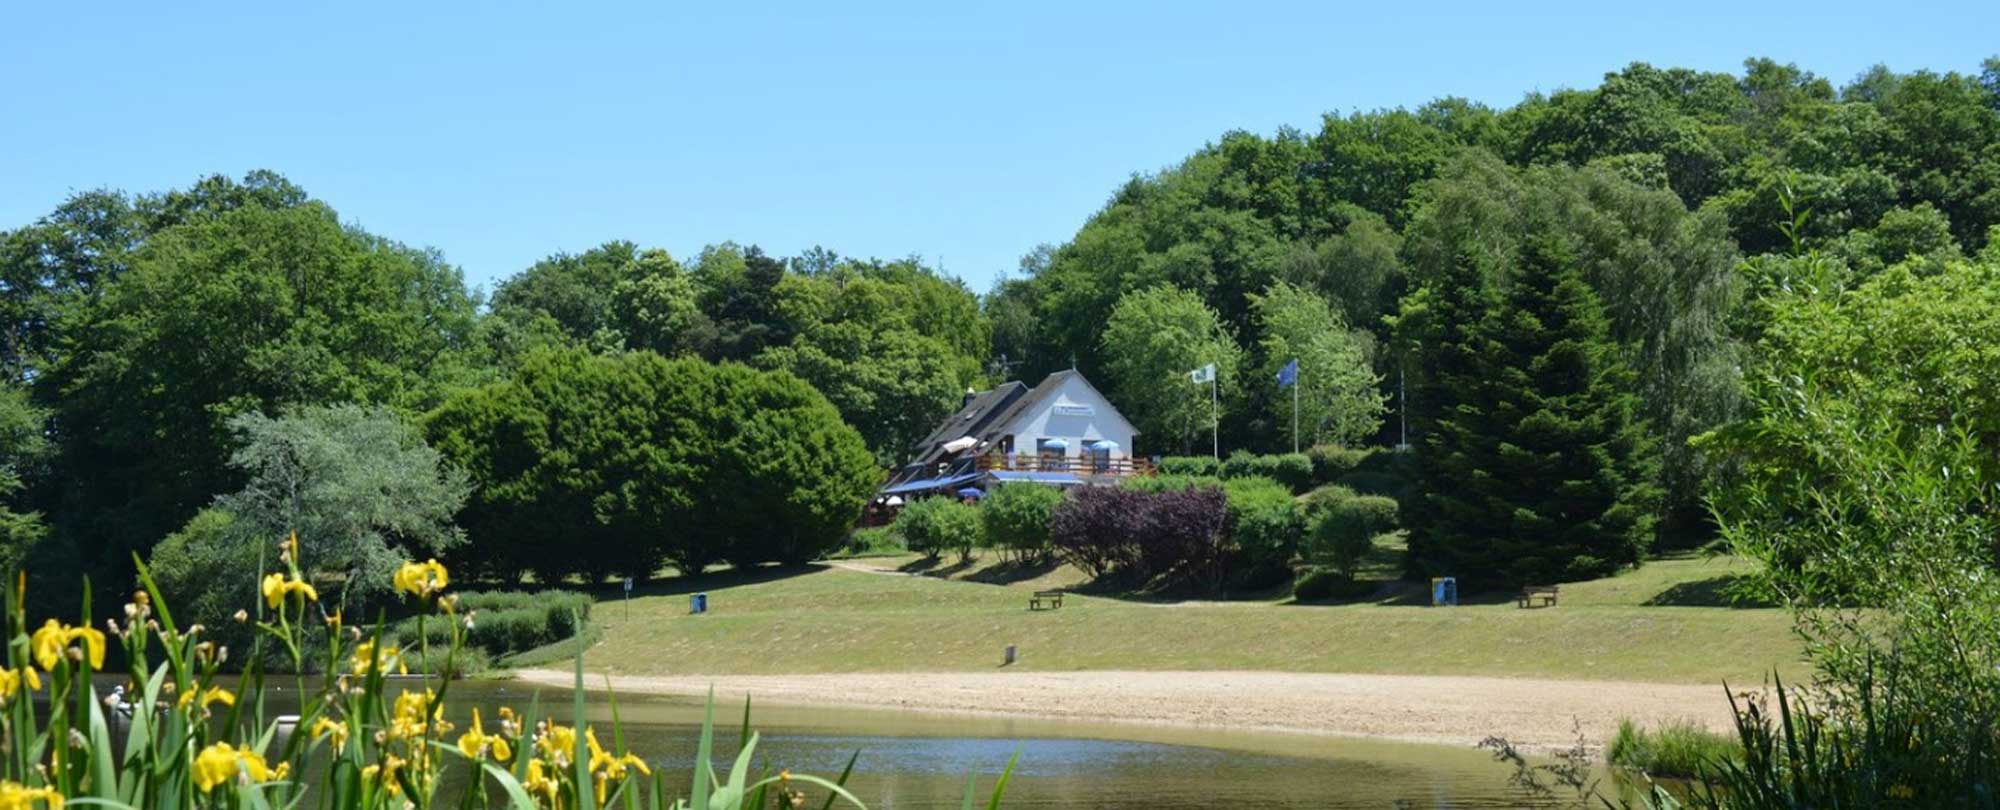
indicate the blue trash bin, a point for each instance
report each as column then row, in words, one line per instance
column 1444, row 591
column 698, row 603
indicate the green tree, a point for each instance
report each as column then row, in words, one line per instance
column 1534, row 468
column 234, row 310
column 1338, row 400
column 592, row 464
column 356, row 484
column 891, row 345
column 1154, row 339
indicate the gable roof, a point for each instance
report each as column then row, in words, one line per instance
column 972, row 419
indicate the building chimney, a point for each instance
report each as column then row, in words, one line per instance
column 969, row 396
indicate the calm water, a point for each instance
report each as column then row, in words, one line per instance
column 912, row 760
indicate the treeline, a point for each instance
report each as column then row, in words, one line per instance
column 1558, row 287
column 1554, row 296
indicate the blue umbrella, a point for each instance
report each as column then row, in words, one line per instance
column 970, row 492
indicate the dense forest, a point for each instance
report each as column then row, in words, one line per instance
column 1578, row 303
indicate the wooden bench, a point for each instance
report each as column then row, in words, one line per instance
column 1053, row 598
column 1546, row 593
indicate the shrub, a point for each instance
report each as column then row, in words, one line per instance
column 1294, row 470
column 1169, row 483
column 1324, row 498
column 1676, row 750
column 1016, row 517
column 1244, row 464
column 1265, row 527
column 1097, row 529
column 1186, row 536
column 1321, row 584
column 1330, row 462
column 875, row 540
column 1190, row 465
column 936, row 525
column 503, row 631
column 1344, row 529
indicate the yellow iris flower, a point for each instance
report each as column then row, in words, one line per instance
column 16, row 796
column 12, row 681
column 422, row 580
column 366, row 655
column 277, row 587
column 475, row 742
column 538, row 783
column 329, row 727
column 208, row 697
column 557, row 744
column 387, row 771
column 53, row 637
column 221, row 762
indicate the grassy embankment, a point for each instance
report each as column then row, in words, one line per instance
column 1660, row 623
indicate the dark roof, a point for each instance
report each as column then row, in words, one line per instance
column 976, row 416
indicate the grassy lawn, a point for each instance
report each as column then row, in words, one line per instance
column 1654, row 624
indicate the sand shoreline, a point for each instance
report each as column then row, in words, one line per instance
column 1539, row 715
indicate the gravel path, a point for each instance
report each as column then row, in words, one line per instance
column 1537, row 715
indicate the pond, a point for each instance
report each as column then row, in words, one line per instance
column 911, row 760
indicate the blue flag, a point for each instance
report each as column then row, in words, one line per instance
column 1289, row 375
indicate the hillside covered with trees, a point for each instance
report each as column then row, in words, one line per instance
column 1578, row 303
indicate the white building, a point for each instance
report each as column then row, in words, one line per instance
column 1062, row 432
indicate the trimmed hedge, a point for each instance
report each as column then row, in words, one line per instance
column 506, row 622
column 1294, row 470
column 1190, row 465
column 1330, row 462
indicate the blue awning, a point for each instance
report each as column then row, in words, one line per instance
column 1051, row 478
column 928, row 484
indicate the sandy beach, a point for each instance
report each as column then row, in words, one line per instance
column 1536, row 714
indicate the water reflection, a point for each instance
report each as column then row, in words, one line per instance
column 922, row 761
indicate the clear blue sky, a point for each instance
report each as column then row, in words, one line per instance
column 499, row 133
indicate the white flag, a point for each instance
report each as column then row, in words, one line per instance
column 1204, row 374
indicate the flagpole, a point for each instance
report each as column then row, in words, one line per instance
column 1295, row 412
column 1215, row 414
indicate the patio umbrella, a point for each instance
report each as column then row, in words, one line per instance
column 971, row 492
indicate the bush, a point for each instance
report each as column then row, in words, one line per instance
column 1330, row 462
column 1186, row 536
column 1169, row 483
column 1294, row 470
column 1265, row 527
column 1173, row 530
column 1323, row 498
column 875, row 540
column 1675, row 750
column 467, row 661
column 513, row 630
column 1098, row 529
column 1322, row 584
column 936, row 525
column 1344, row 529
column 1190, row 465
column 1016, row 518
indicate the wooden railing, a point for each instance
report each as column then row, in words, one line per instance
column 1076, row 465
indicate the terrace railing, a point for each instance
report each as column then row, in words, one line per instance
column 1115, row 466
